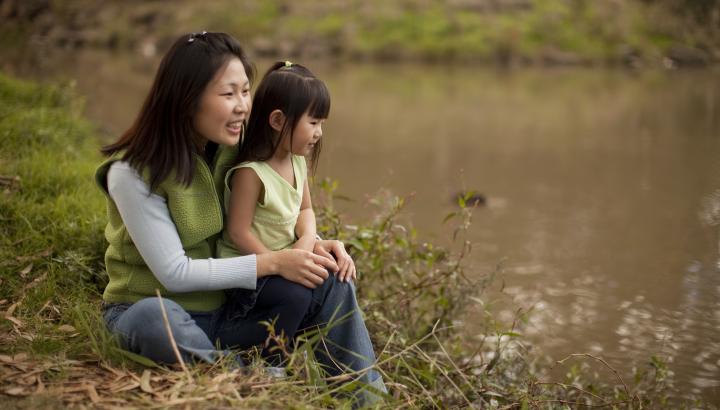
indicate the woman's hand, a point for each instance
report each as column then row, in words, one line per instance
column 346, row 266
column 296, row 265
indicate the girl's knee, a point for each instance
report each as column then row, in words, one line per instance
column 345, row 288
column 292, row 294
column 298, row 296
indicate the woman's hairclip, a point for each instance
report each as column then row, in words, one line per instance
column 193, row 36
column 288, row 64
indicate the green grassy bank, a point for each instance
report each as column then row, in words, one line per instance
column 54, row 351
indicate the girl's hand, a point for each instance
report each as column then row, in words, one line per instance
column 296, row 265
column 346, row 266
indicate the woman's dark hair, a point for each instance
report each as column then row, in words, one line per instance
column 292, row 89
column 162, row 137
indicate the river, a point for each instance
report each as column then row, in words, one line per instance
column 602, row 188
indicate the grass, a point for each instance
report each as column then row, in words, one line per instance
column 55, row 351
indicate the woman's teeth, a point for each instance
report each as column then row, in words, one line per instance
column 236, row 124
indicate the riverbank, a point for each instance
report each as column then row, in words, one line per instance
column 51, row 272
column 633, row 33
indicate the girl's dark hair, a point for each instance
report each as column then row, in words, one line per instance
column 162, row 137
column 292, row 89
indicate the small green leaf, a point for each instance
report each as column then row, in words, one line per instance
column 449, row 216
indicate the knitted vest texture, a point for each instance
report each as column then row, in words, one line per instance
column 197, row 214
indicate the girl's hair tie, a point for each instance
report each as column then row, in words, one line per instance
column 193, row 36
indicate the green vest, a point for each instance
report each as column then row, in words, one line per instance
column 198, row 217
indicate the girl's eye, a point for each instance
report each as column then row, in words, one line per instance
column 227, row 94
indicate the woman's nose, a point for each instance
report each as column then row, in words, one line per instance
column 242, row 106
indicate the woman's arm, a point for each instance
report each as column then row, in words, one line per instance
column 148, row 222
column 247, row 190
column 152, row 230
column 305, row 227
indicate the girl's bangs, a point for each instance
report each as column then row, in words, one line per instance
column 320, row 100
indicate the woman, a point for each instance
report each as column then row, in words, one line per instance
column 165, row 215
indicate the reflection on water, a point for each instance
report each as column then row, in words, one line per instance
column 601, row 175
column 596, row 183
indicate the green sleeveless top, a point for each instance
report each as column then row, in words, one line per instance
column 276, row 214
column 198, row 218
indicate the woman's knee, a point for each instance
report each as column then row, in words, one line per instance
column 144, row 320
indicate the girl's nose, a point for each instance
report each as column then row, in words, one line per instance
column 318, row 132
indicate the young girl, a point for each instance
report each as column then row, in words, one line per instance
column 267, row 198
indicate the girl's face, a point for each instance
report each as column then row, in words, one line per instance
column 306, row 133
column 224, row 105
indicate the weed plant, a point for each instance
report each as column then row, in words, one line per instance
column 55, row 351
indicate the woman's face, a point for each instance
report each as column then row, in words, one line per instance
column 224, row 105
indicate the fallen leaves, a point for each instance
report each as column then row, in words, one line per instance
column 26, row 270
column 100, row 385
column 92, row 393
column 17, row 322
column 145, row 382
column 67, row 329
column 82, row 381
column 11, row 309
column 9, row 183
column 15, row 391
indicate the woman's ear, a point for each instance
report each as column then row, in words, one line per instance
column 277, row 120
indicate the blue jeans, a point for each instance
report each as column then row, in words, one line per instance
column 141, row 329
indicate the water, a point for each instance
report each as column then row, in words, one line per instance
column 596, row 181
column 602, row 185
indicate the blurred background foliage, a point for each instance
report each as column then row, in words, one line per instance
column 632, row 32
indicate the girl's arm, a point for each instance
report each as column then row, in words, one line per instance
column 247, row 190
column 305, row 227
column 296, row 265
column 306, row 231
